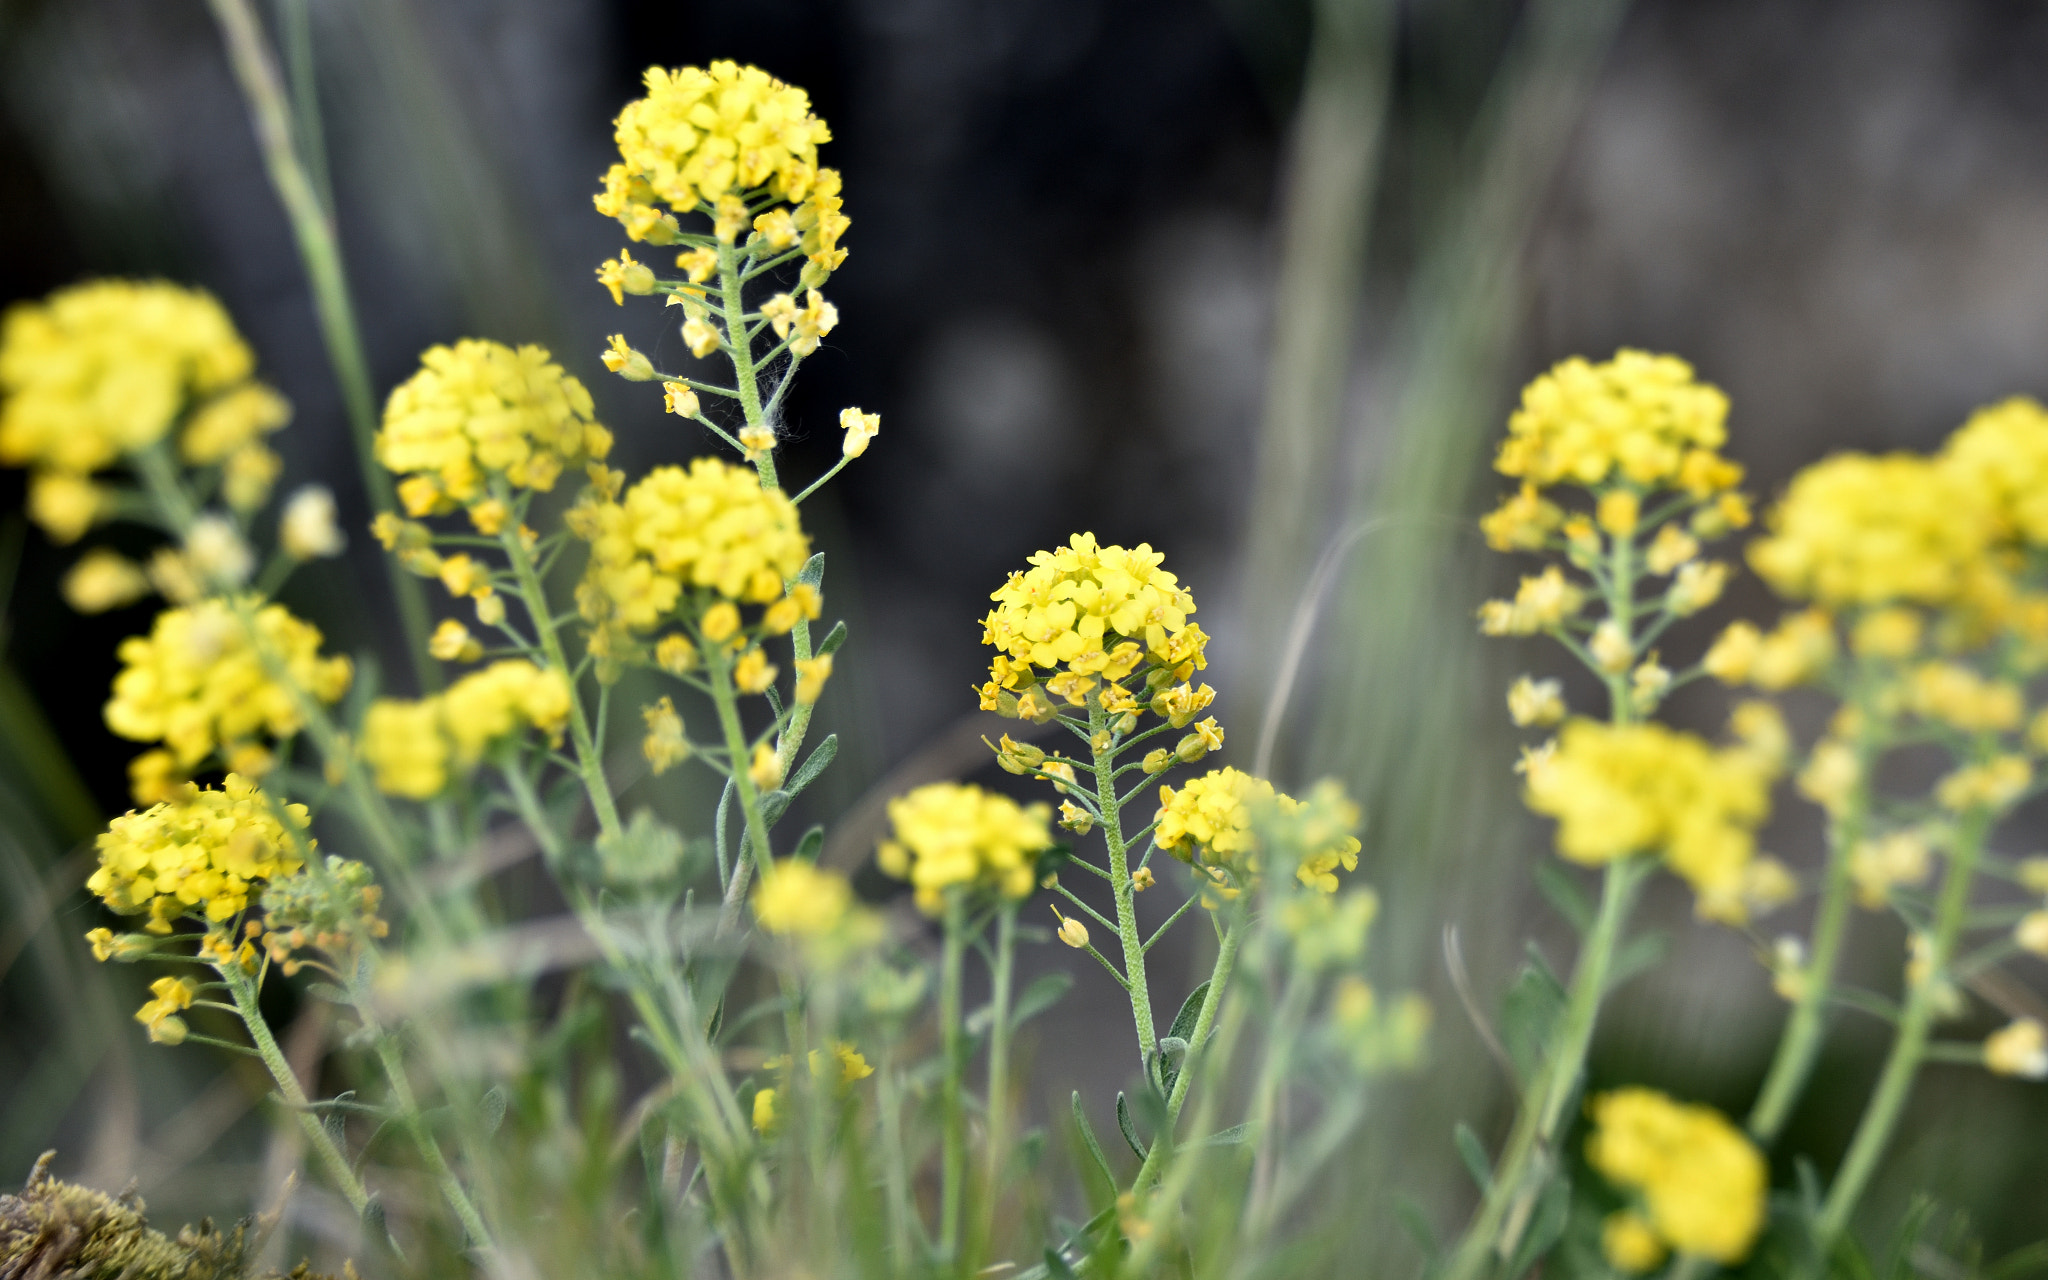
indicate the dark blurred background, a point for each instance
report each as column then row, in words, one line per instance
column 1246, row 279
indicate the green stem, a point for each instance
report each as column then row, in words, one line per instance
column 726, row 699
column 999, row 1064
column 954, row 1117
column 1881, row 1115
column 243, row 988
column 1219, row 979
column 1544, row 1102
column 589, row 762
column 320, row 252
column 1121, row 888
column 1266, row 1100
column 740, row 349
column 1806, row 1029
column 429, row 1149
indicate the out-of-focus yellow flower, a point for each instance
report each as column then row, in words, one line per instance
column 2020, row 1049
column 198, row 853
column 811, row 675
column 103, row 580
column 1219, row 821
column 1630, row 1243
column 308, row 530
column 950, row 834
column 1640, row 418
column 413, row 746
column 64, row 505
column 1994, row 784
column 197, row 683
column 1621, row 790
column 452, row 642
column 799, row 899
column 1543, row 601
column 2002, row 452
column 479, row 409
column 664, row 746
column 1536, row 702
column 1702, row 1183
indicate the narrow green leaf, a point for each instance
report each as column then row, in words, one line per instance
column 1637, row 955
column 833, row 639
column 813, row 572
column 1041, row 995
column 1231, row 1137
column 1564, row 893
column 1123, row 1122
column 813, row 841
column 1087, row 1132
column 1529, row 1009
column 1190, row 1013
column 1416, row 1223
column 1546, row 1225
column 490, row 1109
column 814, row 764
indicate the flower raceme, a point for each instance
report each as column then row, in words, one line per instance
column 951, row 835
column 1093, row 616
column 481, row 409
column 1701, row 1184
column 1227, row 821
column 201, row 853
column 415, row 747
column 1622, row 790
column 711, row 530
column 198, row 682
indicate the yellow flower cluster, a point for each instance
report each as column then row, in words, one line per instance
column 199, row 852
column 479, row 409
column 1860, row 530
column 952, row 834
column 1621, row 790
column 715, row 140
column 2002, row 452
column 1094, row 615
column 199, row 684
column 1218, row 816
column 712, row 527
column 1702, row 1183
column 102, row 369
column 412, row 746
column 797, row 898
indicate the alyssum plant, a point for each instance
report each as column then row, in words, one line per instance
column 813, row 1094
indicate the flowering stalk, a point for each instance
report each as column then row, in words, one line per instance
column 1909, row 1046
column 1205, row 1021
column 999, row 1062
column 1800, row 1045
column 726, row 699
column 953, row 1169
column 1109, row 809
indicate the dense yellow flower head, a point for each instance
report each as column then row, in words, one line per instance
column 949, row 834
column 711, row 527
column 1094, row 615
column 1638, row 417
column 2002, row 452
column 1858, row 530
column 1621, row 790
column 413, row 746
column 799, row 899
column 197, row 683
column 1702, row 1183
column 481, row 408
column 101, row 369
column 200, row 852
column 1222, row 818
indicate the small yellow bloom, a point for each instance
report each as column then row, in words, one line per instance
column 1887, row 633
column 1141, row 879
column 721, row 622
column 2031, row 934
column 701, row 336
column 778, row 229
column 461, row 575
column 622, row 276
column 664, row 746
column 753, row 673
column 1156, row 760
column 103, row 580
column 626, row 362
column 764, row 1112
column 64, row 505
column 2020, row 1049
column 1536, row 703
column 1072, row 931
column 1991, row 785
column 699, row 264
column 1671, row 548
column 675, row 654
column 799, row 899
column 1630, row 1244
column 1076, row 819
column 490, row 607
column 452, row 642
column 765, row 770
column 1611, row 647
column 757, row 438
column 811, row 675
column 1618, row 511
column 860, row 428
column 1732, row 656
column 677, row 398
column 1697, row 586
column 307, row 530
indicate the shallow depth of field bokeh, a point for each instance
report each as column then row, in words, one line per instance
column 1075, row 266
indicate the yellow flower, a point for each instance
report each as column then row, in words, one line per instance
column 1097, row 613
column 1621, row 790
column 664, row 746
column 1524, row 521
column 712, row 527
column 2002, row 452
column 413, row 747
column 622, row 276
column 721, row 621
column 1960, row 698
column 104, row 368
column 700, row 134
column 1861, row 530
column 802, row 325
column 811, row 675
column 1611, row 647
column 860, row 429
column 1902, row 857
column 1697, row 586
column 753, row 673
column 1637, row 417
column 1629, row 1243
column 1215, row 818
column 765, row 770
column 949, row 834
column 764, row 1119
column 201, row 851
column 2031, row 934
column 1617, row 512
column 1992, row 785
column 1533, row 702
column 675, row 654
column 2020, row 1049
column 452, row 642
column 798, row 899
column 230, row 424
column 1072, row 931
column 63, row 505
column 480, row 409
column 1671, row 548
column 103, row 580
column 196, row 683
column 1703, row 1184
column 307, row 529
column 1541, row 602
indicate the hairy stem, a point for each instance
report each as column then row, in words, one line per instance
column 1205, row 1021
column 1120, row 886
column 243, row 988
